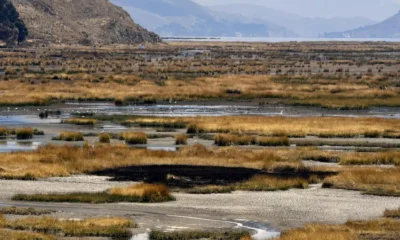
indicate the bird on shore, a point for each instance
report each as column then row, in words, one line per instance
column 281, row 113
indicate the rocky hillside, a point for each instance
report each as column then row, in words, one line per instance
column 80, row 22
column 12, row 28
column 390, row 28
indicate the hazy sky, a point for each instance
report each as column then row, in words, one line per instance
column 373, row 9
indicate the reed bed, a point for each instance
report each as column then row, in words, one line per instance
column 125, row 88
column 52, row 161
column 330, row 127
column 374, row 181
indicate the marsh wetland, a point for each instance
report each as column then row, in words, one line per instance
column 201, row 140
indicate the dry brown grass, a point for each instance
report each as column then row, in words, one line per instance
column 80, row 121
column 107, row 227
column 353, row 94
column 376, row 181
column 267, row 183
column 134, row 137
column 353, row 230
column 24, row 235
column 153, row 192
column 66, row 160
column 71, row 136
column 392, row 213
column 315, row 126
column 181, row 139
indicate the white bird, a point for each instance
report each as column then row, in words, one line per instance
column 281, row 113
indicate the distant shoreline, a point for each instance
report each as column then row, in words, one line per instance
column 276, row 39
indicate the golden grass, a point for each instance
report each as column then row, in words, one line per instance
column 80, row 121
column 128, row 87
column 104, row 138
column 314, row 126
column 66, row 160
column 100, row 227
column 352, row 230
column 71, row 136
column 267, row 183
column 151, row 192
column 134, row 137
column 24, row 133
column 384, row 158
column 376, row 181
column 24, row 235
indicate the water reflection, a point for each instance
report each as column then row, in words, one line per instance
column 11, row 146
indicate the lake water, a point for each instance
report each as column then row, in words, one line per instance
column 276, row 39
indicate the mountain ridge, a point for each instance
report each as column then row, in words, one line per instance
column 388, row 28
column 94, row 22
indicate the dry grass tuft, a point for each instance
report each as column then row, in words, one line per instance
column 134, row 137
column 181, row 139
column 71, row 137
column 24, row 133
column 104, row 138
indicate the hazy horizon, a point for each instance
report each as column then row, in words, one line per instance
column 324, row 8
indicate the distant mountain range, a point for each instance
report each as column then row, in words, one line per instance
column 389, row 28
column 187, row 18
column 302, row 26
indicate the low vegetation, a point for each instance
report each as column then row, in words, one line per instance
column 144, row 193
column 24, row 235
column 392, row 213
column 353, row 230
column 49, row 161
column 181, row 139
column 24, row 133
column 256, row 183
column 328, row 127
column 267, row 183
column 217, row 235
column 374, row 181
column 24, row 211
column 80, row 121
column 97, row 227
column 70, row 137
column 104, row 138
column 134, row 138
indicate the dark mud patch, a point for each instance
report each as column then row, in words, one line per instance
column 190, row 176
